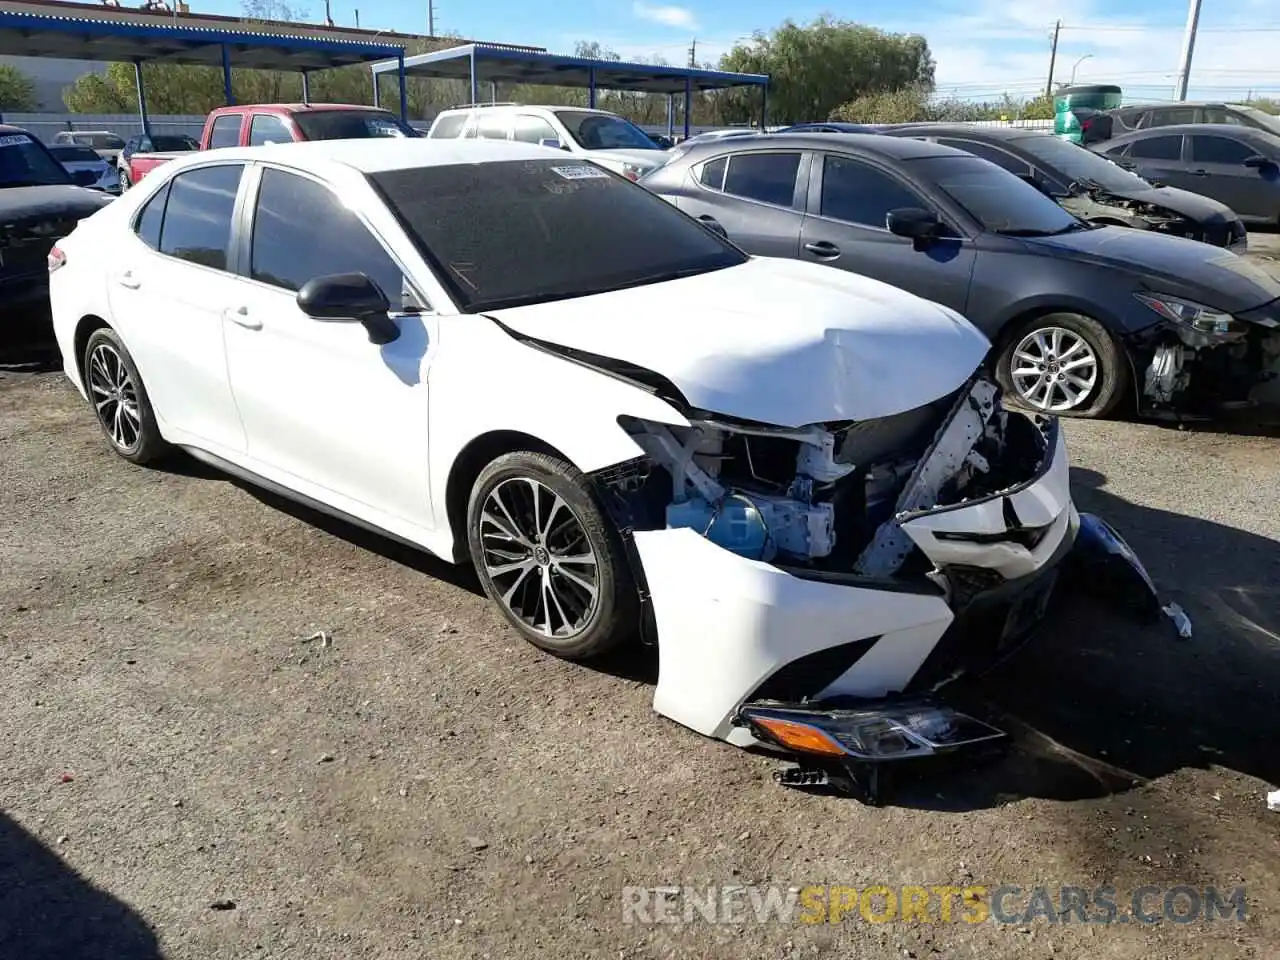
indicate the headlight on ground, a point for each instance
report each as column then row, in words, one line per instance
column 1195, row 317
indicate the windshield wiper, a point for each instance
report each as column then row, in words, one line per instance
column 1033, row 232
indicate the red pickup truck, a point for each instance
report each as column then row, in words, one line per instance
column 252, row 125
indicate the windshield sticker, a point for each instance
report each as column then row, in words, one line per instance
column 582, row 172
column 13, row 140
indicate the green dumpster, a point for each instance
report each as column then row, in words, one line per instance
column 1070, row 102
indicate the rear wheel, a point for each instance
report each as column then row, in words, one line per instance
column 1064, row 364
column 549, row 558
column 120, row 400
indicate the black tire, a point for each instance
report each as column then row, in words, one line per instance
column 135, row 435
column 1111, row 375
column 589, row 627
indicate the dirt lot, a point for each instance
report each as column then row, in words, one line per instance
column 428, row 785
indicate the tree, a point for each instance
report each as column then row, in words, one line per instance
column 815, row 68
column 17, row 91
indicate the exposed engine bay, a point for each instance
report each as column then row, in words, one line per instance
column 833, row 497
column 1190, row 371
column 1099, row 206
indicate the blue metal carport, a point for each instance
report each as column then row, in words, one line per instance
column 112, row 37
column 479, row 62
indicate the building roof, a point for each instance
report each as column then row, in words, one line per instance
column 515, row 65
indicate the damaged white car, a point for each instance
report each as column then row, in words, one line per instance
column 797, row 482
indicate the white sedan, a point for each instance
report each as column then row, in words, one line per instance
column 794, row 480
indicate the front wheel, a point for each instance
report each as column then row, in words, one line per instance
column 1064, row 364
column 549, row 558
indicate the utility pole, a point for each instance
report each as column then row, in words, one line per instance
column 1053, row 58
column 431, row 18
column 693, row 53
column 1188, row 47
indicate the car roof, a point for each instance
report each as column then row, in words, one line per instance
column 380, row 154
column 896, row 148
column 294, row 108
column 526, row 106
column 1180, row 129
column 964, row 129
column 10, row 128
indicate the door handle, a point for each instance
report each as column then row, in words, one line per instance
column 1199, row 173
column 823, row 248
column 128, row 280
column 241, row 316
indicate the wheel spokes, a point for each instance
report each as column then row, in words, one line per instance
column 1054, row 369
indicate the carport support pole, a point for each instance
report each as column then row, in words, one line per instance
column 142, row 98
column 377, row 89
column 764, row 106
column 306, row 87
column 404, row 93
column 671, row 114
column 591, row 87
column 475, row 81
column 688, row 104
column 226, row 75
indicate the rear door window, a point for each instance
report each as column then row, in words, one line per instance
column 530, row 129
column 494, row 126
column 197, row 217
column 266, row 128
column 1157, row 148
column 766, row 177
column 226, row 132
column 151, row 219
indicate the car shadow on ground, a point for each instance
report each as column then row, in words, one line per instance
column 1098, row 703
column 48, row 910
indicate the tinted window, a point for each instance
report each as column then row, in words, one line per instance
column 534, row 130
column 1137, row 120
column 268, row 129
column 226, row 132
column 527, row 231
column 287, row 250
column 26, row 163
column 767, row 177
column 493, row 126
column 449, row 127
column 995, row 198
column 1168, row 116
column 604, row 131
column 1157, row 148
column 150, row 219
column 713, row 173
column 197, row 219
column 857, row 193
column 1076, row 163
column 988, row 152
column 350, row 125
column 171, row 144
column 65, row 154
column 1220, row 150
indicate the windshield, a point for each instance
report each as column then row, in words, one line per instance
column 604, row 131
column 173, row 144
column 25, row 163
column 1263, row 119
column 993, row 196
column 350, row 125
column 1075, row 163
column 528, row 231
column 74, row 155
column 100, row 141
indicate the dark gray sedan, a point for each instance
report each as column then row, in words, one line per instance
column 1238, row 166
column 1081, row 316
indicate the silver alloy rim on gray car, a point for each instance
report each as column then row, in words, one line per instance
column 115, row 397
column 539, row 558
column 1054, row 369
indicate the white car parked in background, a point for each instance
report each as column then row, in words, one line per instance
column 792, row 479
column 606, row 138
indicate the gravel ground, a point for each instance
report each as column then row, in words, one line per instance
column 426, row 784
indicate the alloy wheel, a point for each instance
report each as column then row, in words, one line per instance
column 1054, row 369
column 115, row 397
column 539, row 558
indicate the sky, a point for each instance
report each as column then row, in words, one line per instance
column 983, row 48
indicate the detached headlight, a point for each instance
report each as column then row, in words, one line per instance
column 633, row 171
column 1193, row 316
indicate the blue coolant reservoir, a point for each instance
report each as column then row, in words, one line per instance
column 735, row 524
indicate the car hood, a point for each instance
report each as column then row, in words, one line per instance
column 1184, row 203
column 1173, row 265
column 616, row 158
column 50, row 203
column 772, row 341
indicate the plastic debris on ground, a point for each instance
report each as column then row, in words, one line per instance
column 1179, row 618
column 1273, row 800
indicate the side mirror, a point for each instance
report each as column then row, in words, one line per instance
column 1259, row 162
column 349, row 298
column 913, row 222
column 551, row 142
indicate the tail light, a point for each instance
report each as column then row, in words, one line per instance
column 57, row 258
